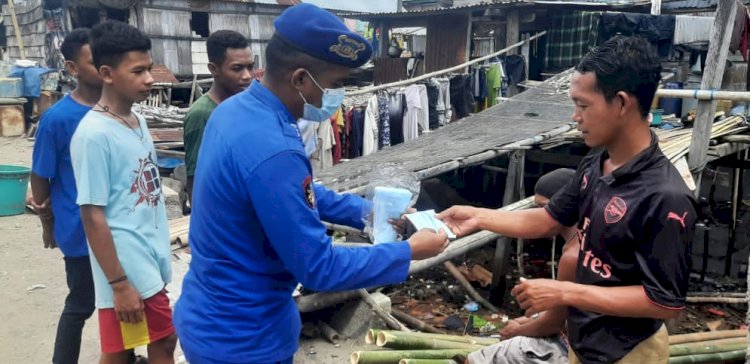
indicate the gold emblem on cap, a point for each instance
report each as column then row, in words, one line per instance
column 348, row 47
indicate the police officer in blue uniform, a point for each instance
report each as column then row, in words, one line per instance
column 257, row 230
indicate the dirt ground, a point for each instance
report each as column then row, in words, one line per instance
column 29, row 318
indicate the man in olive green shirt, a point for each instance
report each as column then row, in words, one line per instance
column 231, row 64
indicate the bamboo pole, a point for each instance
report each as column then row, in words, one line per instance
column 427, row 361
column 389, row 320
column 394, row 356
column 704, row 336
column 329, row 333
column 467, row 286
column 718, row 294
column 709, row 358
column 392, row 340
column 716, row 300
column 415, row 322
column 447, row 70
column 706, row 95
column 482, row 341
column 708, row 347
column 372, row 336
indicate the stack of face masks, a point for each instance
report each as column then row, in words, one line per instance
column 388, row 203
column 427, row 220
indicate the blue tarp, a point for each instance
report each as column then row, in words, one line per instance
column 32, row 79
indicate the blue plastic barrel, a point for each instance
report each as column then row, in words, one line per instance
column 669, row 105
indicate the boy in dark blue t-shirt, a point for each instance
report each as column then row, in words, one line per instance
column 54, row 192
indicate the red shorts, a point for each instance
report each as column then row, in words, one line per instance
column 117, row 336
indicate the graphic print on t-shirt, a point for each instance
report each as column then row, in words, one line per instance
column 146, row 183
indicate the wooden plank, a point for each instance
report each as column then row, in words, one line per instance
column 715, row 64
column 512, row 36
column 12, row 10
column 513, row 192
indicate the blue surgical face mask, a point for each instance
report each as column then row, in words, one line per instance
column 332, row 100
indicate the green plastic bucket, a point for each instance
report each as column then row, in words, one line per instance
column 13, row 184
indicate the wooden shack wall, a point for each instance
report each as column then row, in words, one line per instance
column 254, row 21
column 167, row 23
column 30, row 15
column 389, row 70
column 447, row 41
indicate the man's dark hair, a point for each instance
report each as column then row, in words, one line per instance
column 282, row 57
column 111, row 40
column 628, row 64
column 73, row 43
column 554, row 181
column 219, row 41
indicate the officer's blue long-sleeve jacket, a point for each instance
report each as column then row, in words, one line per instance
column 256, row 232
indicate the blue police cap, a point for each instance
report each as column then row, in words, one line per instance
column 322, row 35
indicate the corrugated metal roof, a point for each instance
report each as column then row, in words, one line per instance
column 359, row 6
column 480, row 5
column 691, row 4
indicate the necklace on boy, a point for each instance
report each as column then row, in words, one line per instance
column 106, row 109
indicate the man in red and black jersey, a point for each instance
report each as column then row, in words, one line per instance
column 634, row 213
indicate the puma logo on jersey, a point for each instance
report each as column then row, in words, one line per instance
column 678, row 218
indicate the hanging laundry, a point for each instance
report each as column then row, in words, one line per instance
column 494, row 83
column 417, row 113
column 357, row 133
column 322, row 158
column 444, row 100
column 692, row 29
column 657, row 29
column 370, row 134
column 571, row 36
column 396, row 109
column 515, row 68
column 384, row 126
column 337, row 145
column 461, row 96
column 432, row 100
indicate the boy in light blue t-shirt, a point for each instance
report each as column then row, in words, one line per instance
column 122, row 207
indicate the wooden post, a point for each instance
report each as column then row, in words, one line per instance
column 384, row 40
column 511, row 37
column 469, row 39
column 513, row 192
column 525, row 52
column 16, row 29
column 192, row 89
column 715, row 62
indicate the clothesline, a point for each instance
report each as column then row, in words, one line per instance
column 445, row 71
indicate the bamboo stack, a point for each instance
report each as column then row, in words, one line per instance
column 421, row 348
column 674, row 143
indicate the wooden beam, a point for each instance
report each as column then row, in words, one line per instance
column 565, row 160
column 712, row 77
column 512, row 36
column 16, row 29
column 513, row 192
